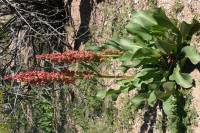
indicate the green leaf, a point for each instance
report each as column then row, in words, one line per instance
column 144, row 18
column 127, row 45
column 169, row 86
column 163, row 21
column 147, row 76
column 166, row 47
column 137, row 30
column 170, row 106
column 145, row 71
column 187, row 30
column 101, row 94
column 152, row 99
column 145, row 60
column 104, row 93
column 138, row 100
column 125, row 67
column 149, row 73
column 158, row 30
column 150, row 22
column 111, row 92
column 146, row 52
column 182, row 79
column 135, row 49
column 113, row 44
column 139, row 23
column 126, row 57
column 191, row 53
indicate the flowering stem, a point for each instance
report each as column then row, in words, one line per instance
column 113, row 55
column 113, row 76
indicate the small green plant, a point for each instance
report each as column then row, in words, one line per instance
column 4, row 126
column 160, row 52
column 178, row 7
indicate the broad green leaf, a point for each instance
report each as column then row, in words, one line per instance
column 166, row 47
column 138, row 31
column 145, row 81
column 128, row 45
column 182, row 79
column 153, row 86
column 169, row 86
column 152, row 99
column 111, row 92
column 144, row 18
column 145, row 71
column 162, row 20
column 147, row 76
column 146, row 52
column 138, row 24
column 149, row 22
column 187, row 30
column 127, row 56
column 145, row 61
column 135, row 49
column 191, row 53
column 148, row 73
column 163, row 95
column 157, row 30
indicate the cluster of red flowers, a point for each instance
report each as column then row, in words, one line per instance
column 67, row 77
column 42, row 77
column 69, row 56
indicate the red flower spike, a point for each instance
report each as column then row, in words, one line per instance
column 69, row 56
column 41, row 77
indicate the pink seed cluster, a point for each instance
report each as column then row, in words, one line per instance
column 42, row 77
column 69, row 56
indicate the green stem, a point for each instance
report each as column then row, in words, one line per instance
column 112, row 55
column 113, row 76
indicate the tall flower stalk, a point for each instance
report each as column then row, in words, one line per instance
column 42, row 77
column 69, row 57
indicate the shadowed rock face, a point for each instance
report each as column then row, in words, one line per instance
column 83, row 33
column 98, row 1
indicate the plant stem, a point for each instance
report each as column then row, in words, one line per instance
column 113, row 76
column 112, row 55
